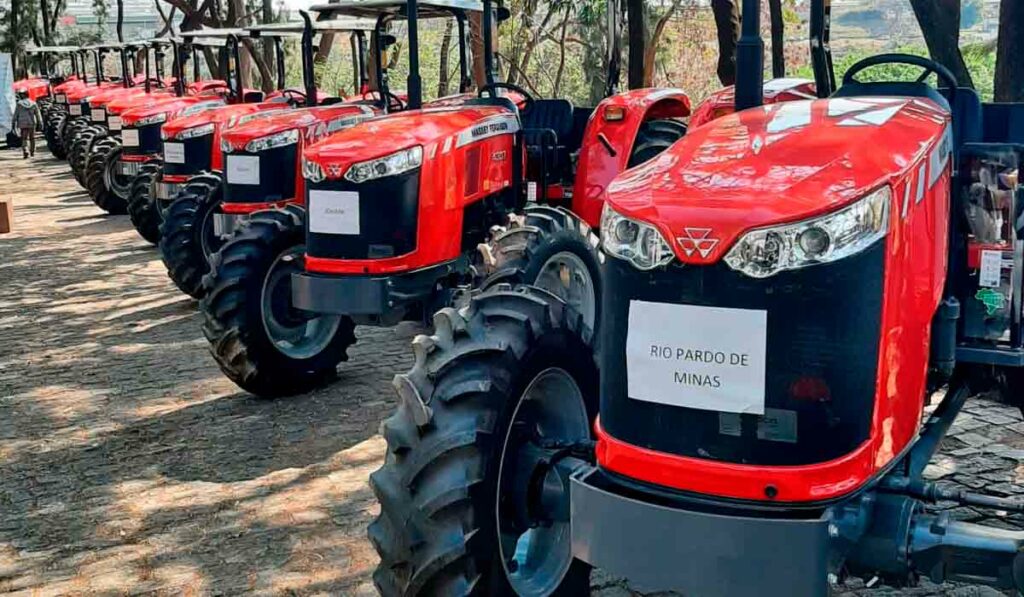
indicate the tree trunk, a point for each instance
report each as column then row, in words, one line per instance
column 778, row 39
column 476, row 28
column 940, row 24
column 727, row 25
column 636, row 25
column 1010, row 53
column 44, row 8
column 651, row 49
column 446, row 50
column 236, row 17
column 15, row 37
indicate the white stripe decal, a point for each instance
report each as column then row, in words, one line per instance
column 492, row 127
column 940, row 157
column 921, row 174
column 906, row 198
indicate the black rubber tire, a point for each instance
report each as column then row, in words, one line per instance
column 654, row 137
column 142, row 208
column 521, row 252
column 232, row 311
column 52, row 133
column 72, row 128
column 184, row 223
column 103, row 156
column 436, row 533
column 78, row 153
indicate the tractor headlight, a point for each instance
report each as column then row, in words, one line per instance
column 226, row 146
column 192, row 133
column 271, row 141
column 768, row 251
column 312, row 171
column 391, row 165
column 636, row 242
column 154, row 119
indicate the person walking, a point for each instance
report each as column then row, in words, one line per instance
column 26, row 118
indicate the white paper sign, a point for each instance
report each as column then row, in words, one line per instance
column 62, row 99
column 130, row 137
column 334, row 212
column 98, row 115
column 991, row 269
column 697, row 357
column 114, row 122
column 174, row 153
column 75, row 109
column 243, row 169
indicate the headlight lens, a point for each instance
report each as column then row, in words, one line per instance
column 272, row 141
column 768, row 251
column 312, row 171
column 192, row 133
column 154, row 119
column 636, row 242
column 226, row 146
column 391, row 165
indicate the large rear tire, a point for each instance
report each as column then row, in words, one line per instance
column 187, row 236
column 78, row 154
column 257, row 338
column 107, row 189
column 450, row 521
column 654, row 137
column 551, row 248
column 142, row 208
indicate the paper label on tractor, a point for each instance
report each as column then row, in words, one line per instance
column 114, row 123
column 98, row 115
column 243, row 169
column 61, row 98
column 991, row 275
column 707, row 358
column 334, row 212
column 174, row 153
column 75, row 109
column 130, row 137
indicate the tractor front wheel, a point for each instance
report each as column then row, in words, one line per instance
column 142, row 208
column 52, row 132
column 108, row 189
column 260, row 341
column 492, row 420
column 188, row 238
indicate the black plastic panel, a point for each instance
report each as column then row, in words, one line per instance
column 388, row 220
column 198, row 157
column 277, row 178
column 823, row 329
column 150, row 142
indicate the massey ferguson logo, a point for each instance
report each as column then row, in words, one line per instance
column 698, row 240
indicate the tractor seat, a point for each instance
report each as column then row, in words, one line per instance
column 547, row 127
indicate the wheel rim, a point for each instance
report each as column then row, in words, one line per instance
column 208, row 239
column 536, row 556
column 118, row 184
column 566, row 276
column 294, row 333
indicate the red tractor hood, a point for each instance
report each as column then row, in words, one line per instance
column 173, row 107
column 69, row 85
column 429, row 128
column 122, row 103
column 231, row 115
column 776, row 164
column 104, row 97
column 77, row 94
column 314, row 122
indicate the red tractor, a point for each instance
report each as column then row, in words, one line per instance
column 411, row 212
column 784, row 292
column 55, row 113
column 40, row 85
column 117, row 149
column 262, row 162
column 191, row 146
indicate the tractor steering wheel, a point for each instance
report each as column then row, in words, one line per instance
column 395, row 103
column 294, row 95
column 493, row 88
column 929, row 66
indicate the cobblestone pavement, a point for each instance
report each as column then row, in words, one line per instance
column 128, row 464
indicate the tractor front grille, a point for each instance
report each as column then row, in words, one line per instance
column 276, row 180
column 150, row 142
column 388, row 219
column 198, row 157
column 822, row 357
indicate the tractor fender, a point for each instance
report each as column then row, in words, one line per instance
column 608, row 142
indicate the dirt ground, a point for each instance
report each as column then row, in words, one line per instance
column 129, row 465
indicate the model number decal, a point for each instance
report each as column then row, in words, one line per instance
column 940, row 157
